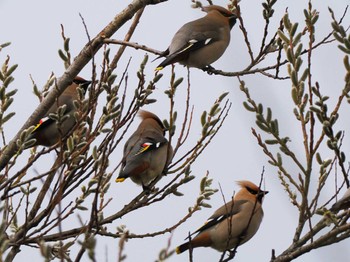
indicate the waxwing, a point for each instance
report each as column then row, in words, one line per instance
column 232, row 224
column 147, row 152
column 46, row 131
column 343, row 203
column 201, row 42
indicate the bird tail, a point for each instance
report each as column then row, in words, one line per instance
column 164, row 63
column 167, row 61
column 121, row 177
column 162, row 54
column 159, row 68
column 182, row 248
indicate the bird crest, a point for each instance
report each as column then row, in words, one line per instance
column 143, row 114
column 249, row 185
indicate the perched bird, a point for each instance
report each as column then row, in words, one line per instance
column 343, row 203
column 232, row 224
column 201, row 42
column 46, row 132
column 147, row 152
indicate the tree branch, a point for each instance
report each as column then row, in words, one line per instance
column 80, row 61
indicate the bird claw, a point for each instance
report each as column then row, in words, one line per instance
column 232, row 252
column 147, row 189
column 150, row 189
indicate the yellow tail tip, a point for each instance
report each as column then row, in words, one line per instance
column 177, row 250
column 158, row 68
column 36, row 127
column 120, row 179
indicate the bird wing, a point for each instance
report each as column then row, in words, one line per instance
column 194, row 44
column 142, row 143
column 135, row 161
column 147, row 144
column 221, row 214
column 46, row 120
column 186, row 41
column 43, row 123
column 190, row 46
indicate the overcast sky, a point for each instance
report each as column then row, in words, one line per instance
column 33, row 27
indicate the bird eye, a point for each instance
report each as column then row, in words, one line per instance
column 77, row 81
column 227, row 14
column 253, row 192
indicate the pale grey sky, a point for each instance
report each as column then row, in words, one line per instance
column 33, row 27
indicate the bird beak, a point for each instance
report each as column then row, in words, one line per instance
column 263, row 193
column 120, row 179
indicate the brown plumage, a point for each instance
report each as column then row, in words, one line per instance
column 147, row 152
column 232, row 224
column 47, row 132
column 203, row 41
